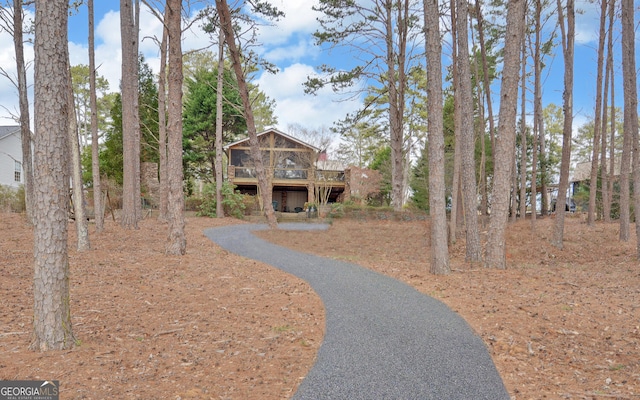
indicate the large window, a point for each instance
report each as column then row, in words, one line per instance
column 241, row 158
column 17, row 173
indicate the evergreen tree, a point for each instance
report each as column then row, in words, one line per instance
column 200, row 121
column 420, row 182
column 382, row 163
column 111, row 156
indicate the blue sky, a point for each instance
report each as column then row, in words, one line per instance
column 290, row 46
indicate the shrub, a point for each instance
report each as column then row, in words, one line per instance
column 21, row 203
column 11, row 199
column 337, row 210
column 193, row 203
column 250, row 204
column 233, row 202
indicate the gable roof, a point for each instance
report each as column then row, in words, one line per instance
column 582, row 171
column 277, row 132
column 8, row 130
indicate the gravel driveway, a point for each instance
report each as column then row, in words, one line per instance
column 384, row 339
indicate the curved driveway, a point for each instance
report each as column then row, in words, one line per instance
column 384, row 339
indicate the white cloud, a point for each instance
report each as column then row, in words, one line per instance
column 587, row 23
column 293, row 106
column 108, row 48
column 293, row 52
column 150, row 33
column 108, row 29
column 78, row 54
column 289, row 39
column 108, row 54
column 299, row 19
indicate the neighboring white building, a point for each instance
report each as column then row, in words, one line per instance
column 11, row 173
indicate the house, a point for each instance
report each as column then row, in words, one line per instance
column 582, row 173
column 581, row 177
column 11, row 173
column 298, row 172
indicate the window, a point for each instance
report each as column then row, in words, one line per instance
column 17, row 173
column 241, row 158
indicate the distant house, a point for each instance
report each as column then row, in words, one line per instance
column 297, row 171
column 11, row 173
column 580, row 177
column 582, row 173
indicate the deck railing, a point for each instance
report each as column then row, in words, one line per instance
column 276, row 173
column 330, row 176
column 245, row 172
column 287, row 173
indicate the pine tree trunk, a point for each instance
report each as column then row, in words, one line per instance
column 219, row 98
column 457, row 159
column 544, row 203
column 544, row 200
column 406, row 168
column 484, row 192
column 95, row 151
column 163, row 214
column 631, row 101
column 607, row 170
column 534, row 172
column 597, row 124
column 437, row 193
column 485, row 75
column 537, row 113
column 625, row 170
column 480, row 132
column 397, row 81
column 604, row 176
column 136, row 115
column 52, row 314
column 505, row 144
column 177, row 244
column 568, row 38
column 612, row 133
column 514, row 191
column 523, row 133
column 130, row 124
column 264, row 184
column 467, row 136
column 80, row 215
column 25, row 131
